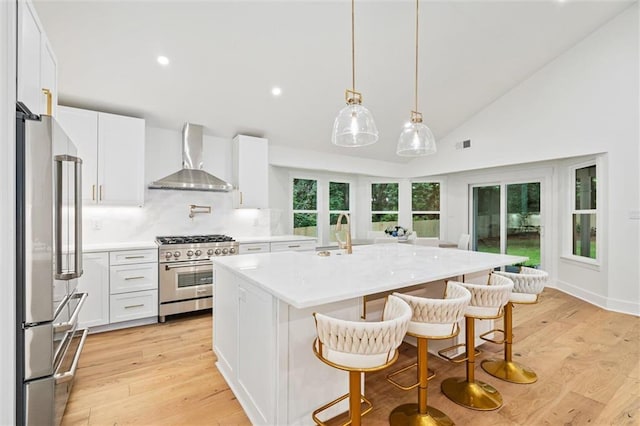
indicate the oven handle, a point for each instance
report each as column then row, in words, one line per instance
column 68, row 375
column 58, row 328
column 168, row 267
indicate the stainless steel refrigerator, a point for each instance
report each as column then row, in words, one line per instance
column 49, row 262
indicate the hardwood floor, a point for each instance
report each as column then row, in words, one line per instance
column 587, row 360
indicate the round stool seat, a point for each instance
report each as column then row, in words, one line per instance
column 357, row 347
column 527, row 286
column 432, row 319
column 487, row 302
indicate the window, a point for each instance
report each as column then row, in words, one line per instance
column 305, row 207
column 425, row 209
column 338, row 203
column 384, row 205
column 583, row 215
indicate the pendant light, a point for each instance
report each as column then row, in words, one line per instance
column 354, row 126
column 416, row 138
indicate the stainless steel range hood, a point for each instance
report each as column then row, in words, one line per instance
column 192, row 177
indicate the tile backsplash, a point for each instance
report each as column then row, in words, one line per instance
column 167, row 213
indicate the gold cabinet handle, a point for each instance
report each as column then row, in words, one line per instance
column 49, row 96
column 100, row 192
column 93, row 192
column 240, row 197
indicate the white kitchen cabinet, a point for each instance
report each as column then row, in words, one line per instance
column 252, row 248
column 304, row 245
column 37, row 64
column 133, row 284
column 112, row 149
column 251, row 172
column 95, row 282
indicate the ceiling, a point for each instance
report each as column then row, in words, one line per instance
column 227, row 55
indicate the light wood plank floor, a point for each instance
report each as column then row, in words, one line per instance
column 587, row 360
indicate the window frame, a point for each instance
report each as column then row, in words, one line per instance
column 372, row 212
column 571, row 211
column 318, row 201
column 328, row 241
column 438, row 212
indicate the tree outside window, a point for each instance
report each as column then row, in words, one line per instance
column 425, row 209
column 338, row 203
column 384, row 206
column 305, row 207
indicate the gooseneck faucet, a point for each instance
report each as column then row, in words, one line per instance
column 344, row 245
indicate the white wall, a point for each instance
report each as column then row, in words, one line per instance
column 166, row 212
column 583, row 102
column 7, row 210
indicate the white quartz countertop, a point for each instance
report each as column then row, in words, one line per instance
column 273, row 239
column 115, row 246
column 304, row 279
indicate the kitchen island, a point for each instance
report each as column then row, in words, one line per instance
column 263, row 326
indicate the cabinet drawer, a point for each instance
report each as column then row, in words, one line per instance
column 133, row 256
column 293, row 246
column 254, row 248
column 136, row 277
column 130, row 306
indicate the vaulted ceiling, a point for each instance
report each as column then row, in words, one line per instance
column 227, row 55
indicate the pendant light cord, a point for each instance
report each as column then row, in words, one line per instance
column 416, row 93
column 353, row 46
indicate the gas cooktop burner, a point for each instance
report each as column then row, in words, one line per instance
column 195, row 239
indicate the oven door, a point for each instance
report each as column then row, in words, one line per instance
column 185, row 280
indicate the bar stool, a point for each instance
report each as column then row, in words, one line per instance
column 527, row 286
column 487, row 302
column 359, row 347
column 432, row 319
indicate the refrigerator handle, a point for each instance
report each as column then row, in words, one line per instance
column 59, row 273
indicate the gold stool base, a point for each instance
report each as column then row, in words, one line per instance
column 476, row 395
column 408, row 415
column 509, row 371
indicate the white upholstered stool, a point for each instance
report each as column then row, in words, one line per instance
column 487, row 302
column 527, row 286
column 359, row 347
column 432, row 319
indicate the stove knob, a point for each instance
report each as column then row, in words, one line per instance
column 225, row 251
column 198, row 252
column 218, row 252
column 176, row 254
column 190, row 253
column 210, row 252
column 168, row 255
column 232, row 250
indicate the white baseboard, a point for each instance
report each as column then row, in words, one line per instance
column 610, row 304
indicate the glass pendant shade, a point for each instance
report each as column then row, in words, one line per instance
column 354, row 126
column 416, row 139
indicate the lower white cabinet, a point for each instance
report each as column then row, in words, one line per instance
column 252, row 248
column 304, row 245
column 122, row 286
column 134, row 305
column 95, row 282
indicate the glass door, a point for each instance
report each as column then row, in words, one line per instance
column 506, row 218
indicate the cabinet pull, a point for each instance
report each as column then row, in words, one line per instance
column 297, row 245
column 134, row 278
column 140, row 305
column 240, row 197
column 134, row 257
column 254, row 248
column 49, row 96
column 100, row 192
column 93, row 192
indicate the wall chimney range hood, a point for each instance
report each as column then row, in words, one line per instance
column 192, row 177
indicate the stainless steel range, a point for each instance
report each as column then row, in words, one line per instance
column 186, row 271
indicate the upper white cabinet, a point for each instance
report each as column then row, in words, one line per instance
column 112, row 150
column 37, row 64
column 251, row 172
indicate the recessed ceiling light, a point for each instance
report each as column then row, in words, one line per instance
column 276, row 91
column 163, row 60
